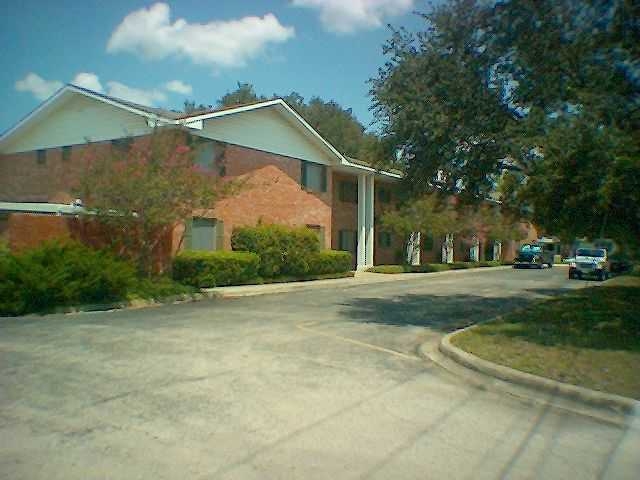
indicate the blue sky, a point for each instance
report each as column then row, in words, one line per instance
column 161, row 53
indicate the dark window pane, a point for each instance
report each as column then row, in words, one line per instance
column 427, row 245
column 384, row 195
column 348, row 192
column 66, row 153
column 41, row 157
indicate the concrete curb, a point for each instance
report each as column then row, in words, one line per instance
column 138, row 303
column 583, row 395
column 359, row 279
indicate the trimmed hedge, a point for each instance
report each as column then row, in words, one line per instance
column 61, row 274
column 431, row 267
column 330, row 261
column 214, row 269
column 388, row 269
column 282, row 250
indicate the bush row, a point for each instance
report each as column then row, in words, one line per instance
column 220, row 268
column 431, row 267
column 282, row 250
column 60, row 274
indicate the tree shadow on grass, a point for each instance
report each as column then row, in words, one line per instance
column 442, row 313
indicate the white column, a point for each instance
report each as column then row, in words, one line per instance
column 413, row 249
column 361, row 260
column 474, row 253
column 497, row 250
column 369, row 219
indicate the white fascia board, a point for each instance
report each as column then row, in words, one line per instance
column 357, row 166
column 193, row 124
column 312, row 130
column 119, row 105
column 231, row 111
column 153, row 120
column 34, row 113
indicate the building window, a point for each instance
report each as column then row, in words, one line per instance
column 427, row 244
column 205, row 155
column 66, row 153
column 319, row 231
column 41, row 157
column 209, row 154
column 384, row 195
column 204, row 234
column 348, row 192
column 384, row 239
column 314, row 177
column 347, row 240
column 122, row 145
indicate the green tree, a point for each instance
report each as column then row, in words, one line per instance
column 431, row 214
column 245, row 93
column 524, row 85
column 142, row 190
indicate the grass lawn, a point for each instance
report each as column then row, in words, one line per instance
column 590, row 338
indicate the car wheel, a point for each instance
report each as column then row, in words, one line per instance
column 602, row 276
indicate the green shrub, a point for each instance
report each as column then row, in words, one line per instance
column 489, row 263
column 158, row 288
column 215, row 269
column 389, row 269
column 282, row 250
column 330, row 261
column 460, row 265
column 430, row 268
column 61, row 274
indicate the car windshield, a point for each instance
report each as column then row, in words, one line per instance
column 590, row 252
column 526, row 256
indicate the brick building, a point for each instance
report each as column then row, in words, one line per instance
column 291, row 175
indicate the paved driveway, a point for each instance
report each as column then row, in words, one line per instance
column 314, row 384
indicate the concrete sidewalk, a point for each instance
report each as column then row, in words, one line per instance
column 360, row 278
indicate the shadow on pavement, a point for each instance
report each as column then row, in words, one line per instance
column 440, row 312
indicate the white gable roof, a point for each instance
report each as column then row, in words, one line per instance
column 75, row 115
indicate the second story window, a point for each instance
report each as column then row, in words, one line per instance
column 122, row 144
column 348, row 192
column 384, row 195
column 41, row 157
column 66, row 153
column 314, row 177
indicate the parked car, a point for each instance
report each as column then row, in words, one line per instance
column 590, row 262
column 528, row 259
column 533, row 255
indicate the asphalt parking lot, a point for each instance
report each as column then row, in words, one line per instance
column 313, row 384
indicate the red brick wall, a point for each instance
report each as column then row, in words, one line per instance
column 26, row 231
column 270, row 191
column 345, row 217
column 22, row 179
column 345, row 214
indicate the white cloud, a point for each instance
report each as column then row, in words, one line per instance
column 38, row 86
column 177, row 86
column 347, row 16
column 43, row 89
column 136, row 95
column 149, row 33
column 88, row 80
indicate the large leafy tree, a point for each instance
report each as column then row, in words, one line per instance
column 140, row 191
column 548, row 90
